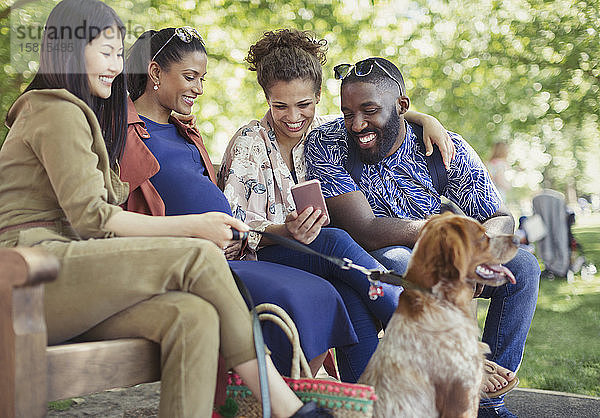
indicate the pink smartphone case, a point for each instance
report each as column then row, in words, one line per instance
column 308, row 194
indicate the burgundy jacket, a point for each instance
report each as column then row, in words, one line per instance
column 138, row 164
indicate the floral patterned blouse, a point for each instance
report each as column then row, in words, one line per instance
column 255, row 178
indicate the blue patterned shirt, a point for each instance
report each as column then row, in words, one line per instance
column 400, row 185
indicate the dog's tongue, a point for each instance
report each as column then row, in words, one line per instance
column 495, row 272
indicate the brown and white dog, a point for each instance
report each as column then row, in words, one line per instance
column 430, row 362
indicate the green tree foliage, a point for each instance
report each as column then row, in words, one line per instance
column 525, row 72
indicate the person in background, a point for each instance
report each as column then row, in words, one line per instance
column 498, row 166
column 265, row 158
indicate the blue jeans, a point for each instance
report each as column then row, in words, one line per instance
column 352, row 285
column 511, row 306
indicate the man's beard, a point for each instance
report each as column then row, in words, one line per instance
column 386, row 138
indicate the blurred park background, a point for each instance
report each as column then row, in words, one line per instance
column 521, row 72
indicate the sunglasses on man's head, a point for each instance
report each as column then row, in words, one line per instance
column 362, row 69
column 185, row 34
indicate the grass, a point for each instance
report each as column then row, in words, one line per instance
column 60, row 405
column 563, row 347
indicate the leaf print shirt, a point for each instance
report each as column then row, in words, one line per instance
column 255, row 178
column 400, row 185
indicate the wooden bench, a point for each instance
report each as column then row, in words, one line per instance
column 32, row 373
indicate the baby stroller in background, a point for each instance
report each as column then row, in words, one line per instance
column 561, row 253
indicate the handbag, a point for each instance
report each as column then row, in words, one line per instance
column 343, row 399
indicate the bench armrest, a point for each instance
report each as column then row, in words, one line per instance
column 26, row 267
column 23, row 336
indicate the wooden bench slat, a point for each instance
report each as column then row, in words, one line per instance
column 83, row 368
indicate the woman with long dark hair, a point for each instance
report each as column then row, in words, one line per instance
column 169, row 173
column 59, row 190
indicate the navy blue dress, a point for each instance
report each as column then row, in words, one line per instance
column 315, row 306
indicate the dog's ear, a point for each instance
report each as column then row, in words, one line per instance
column 422, row 267
column 436, row 252
column 452, row 235
column 453, row 249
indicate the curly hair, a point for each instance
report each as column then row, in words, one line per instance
column 286, row 55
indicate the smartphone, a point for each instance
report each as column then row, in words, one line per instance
column 308, row 194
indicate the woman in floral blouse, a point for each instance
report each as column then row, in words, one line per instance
column 265, row 159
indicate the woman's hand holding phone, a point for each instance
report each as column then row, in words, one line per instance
column 305, row 227
column 309, row 200
column 305, row 223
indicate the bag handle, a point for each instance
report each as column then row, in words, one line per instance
column 275, row 314
column 259, row 346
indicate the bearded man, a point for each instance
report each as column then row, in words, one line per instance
column 386, row 207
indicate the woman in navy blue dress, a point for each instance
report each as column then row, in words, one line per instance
column 169, row 173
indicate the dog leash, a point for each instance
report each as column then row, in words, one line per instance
column 375, row 276
column 374, row 292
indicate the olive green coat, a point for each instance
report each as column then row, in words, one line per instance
column 179, row 292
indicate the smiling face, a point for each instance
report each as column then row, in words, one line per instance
column 104, row 61
column 373, row 119
column 181, row 83
column 292, row 106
